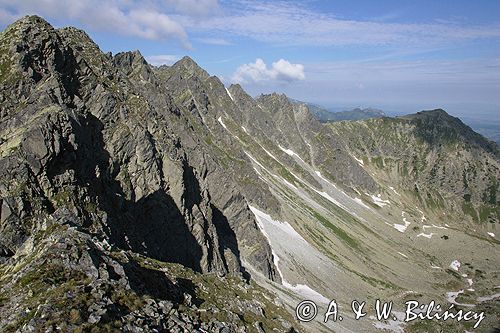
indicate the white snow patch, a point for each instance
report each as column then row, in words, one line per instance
column 402, row 227
column 358, row 160
column 259, row 216
column 220, row 121
column 436, row 267
column 261, row 166
column 255, row 161
column 288, row 183
column 229, row 94
column 393, row 190
column 425, row 235
column 470, row 282
column 433, row 226
column 297, row 177
column 329, row 197
column 379, row 202
column 359, row 201
column 455, row 265
column 291, row 153
column 305, row 291
column 403, row 255
column 258, row 172
column 491, row 234
column 302, row 289
column 244, row 129
column 288, row 151
column 283, row 226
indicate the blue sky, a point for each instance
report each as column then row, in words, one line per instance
column 401, row 56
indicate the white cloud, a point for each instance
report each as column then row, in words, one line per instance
column 162, row 59
column 287, row 71
column 281, row 70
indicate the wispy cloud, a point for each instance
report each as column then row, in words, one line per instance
column 428, row 83
column 445, row 71
column 197, row 8
column 214, row 41
column 281, row 70
column 277, row 23
column 289, row 23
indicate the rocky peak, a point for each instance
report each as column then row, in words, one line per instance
column 236, row 87
column 30, row 22
column 436, row 114
column 132, row 62
column 438, row 127
column 130, row 58
column 240, row 96
column 189, row 67
column 33, row 55
column 274, row 99
column 33, row 40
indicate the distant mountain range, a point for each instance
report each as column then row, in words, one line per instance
column 488, row 128
column 325, row 116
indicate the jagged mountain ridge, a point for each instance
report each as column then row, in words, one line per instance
column 124, row 160
column 79, row 134
column 134, row 173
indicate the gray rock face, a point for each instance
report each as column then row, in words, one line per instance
column 101, row 155
column 70, row 280
column 292, row 126
column 119, row 150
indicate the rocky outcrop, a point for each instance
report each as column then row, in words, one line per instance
column 107, row 142
column 67, row 279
